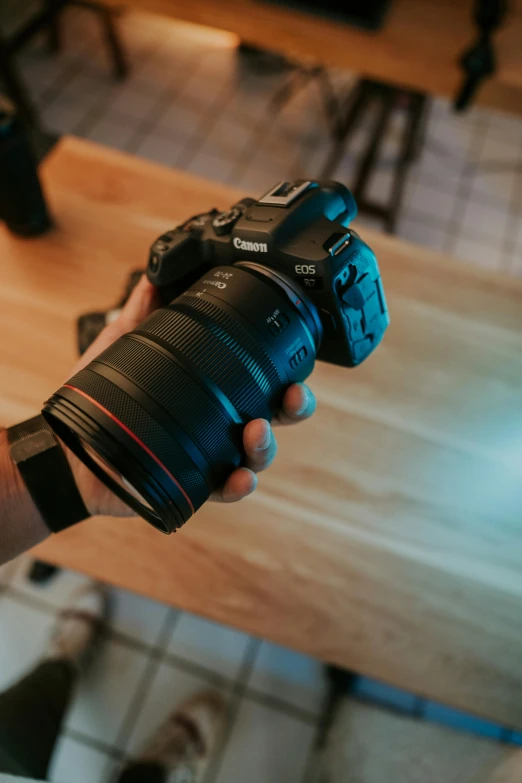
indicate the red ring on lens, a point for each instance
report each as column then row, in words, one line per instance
column 135, row 438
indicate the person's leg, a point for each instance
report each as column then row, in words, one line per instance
column 32, row 710
column 182, row 747
column 144, row 772
column 31, row 713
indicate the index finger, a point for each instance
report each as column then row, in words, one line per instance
column 299, row 404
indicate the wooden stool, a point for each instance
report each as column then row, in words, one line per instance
column 50, row 19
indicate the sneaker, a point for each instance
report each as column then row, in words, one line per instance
column 78, row 627
column 184, row 743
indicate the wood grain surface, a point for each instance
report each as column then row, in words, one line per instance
column 387, row 536
column 419, row 45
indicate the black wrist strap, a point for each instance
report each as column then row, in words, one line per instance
column 46, row 473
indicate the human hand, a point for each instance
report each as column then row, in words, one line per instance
column 258, row 439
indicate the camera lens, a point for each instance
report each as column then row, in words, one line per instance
column 159, row 415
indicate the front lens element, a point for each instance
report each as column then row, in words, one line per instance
column 114, row 474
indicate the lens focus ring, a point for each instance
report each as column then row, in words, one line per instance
column 223, row 350
column 180, row 396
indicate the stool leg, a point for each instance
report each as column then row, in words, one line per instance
column 357, row 102
column 14, row 85
column 419, row 123
column 413, row 139
column 54, row 7
column 367, row 164
column 120, row 64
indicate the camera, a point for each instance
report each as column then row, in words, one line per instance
column 253, row 296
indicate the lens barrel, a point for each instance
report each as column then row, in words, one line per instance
column 159, row 415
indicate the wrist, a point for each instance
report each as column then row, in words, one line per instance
column 22, row 525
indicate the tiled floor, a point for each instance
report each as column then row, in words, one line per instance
column 189, row 104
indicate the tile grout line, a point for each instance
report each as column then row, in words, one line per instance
column 59, row 83
column 142, row 689
column 238, row 690
column 172, row 90
column 93, row 743
column 461, row 196
column 87, row 123
column 208, row 121
column 509, row 244
column 157, row 651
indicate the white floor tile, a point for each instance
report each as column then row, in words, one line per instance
column 214, row 167
column 182, row 119
column 266, row 746
column 500, row 147
column 56, row 592
column 169, row 688
column 85, row 90
column 162, row 150
column 136, row 616
column 9, row 570
column 74, row 762
column 485, row 220
column 105, row 694
column 216, row 647
column 421, row 198
column 133, row 103
column 422, row 233
column 289, row 676
column 228, row 138
column 515, row 262
column 24, row 633
column 495, row 186
column 380, row 184
column 518, row 231
column 112, row 134
column 478, row 253
column 40, row 71
column 451, row 137
column 63, row 118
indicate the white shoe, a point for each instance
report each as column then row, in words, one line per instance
column 78, row 626
column 184, row 743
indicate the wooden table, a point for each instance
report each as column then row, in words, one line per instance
column 388, row 535
column 419, row 45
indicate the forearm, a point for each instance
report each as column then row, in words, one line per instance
column 21, row 526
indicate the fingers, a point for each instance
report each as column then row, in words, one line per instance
column 298, row 404
column 241, row 483
column 260, row 445
column 260, row 448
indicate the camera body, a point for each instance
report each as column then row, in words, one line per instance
column 298, row 231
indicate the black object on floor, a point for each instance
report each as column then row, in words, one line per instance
column 340, row 683
column 369, row 14
column 50, row 18
column 479, row 61
column 23, row 207
column 40, row 573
